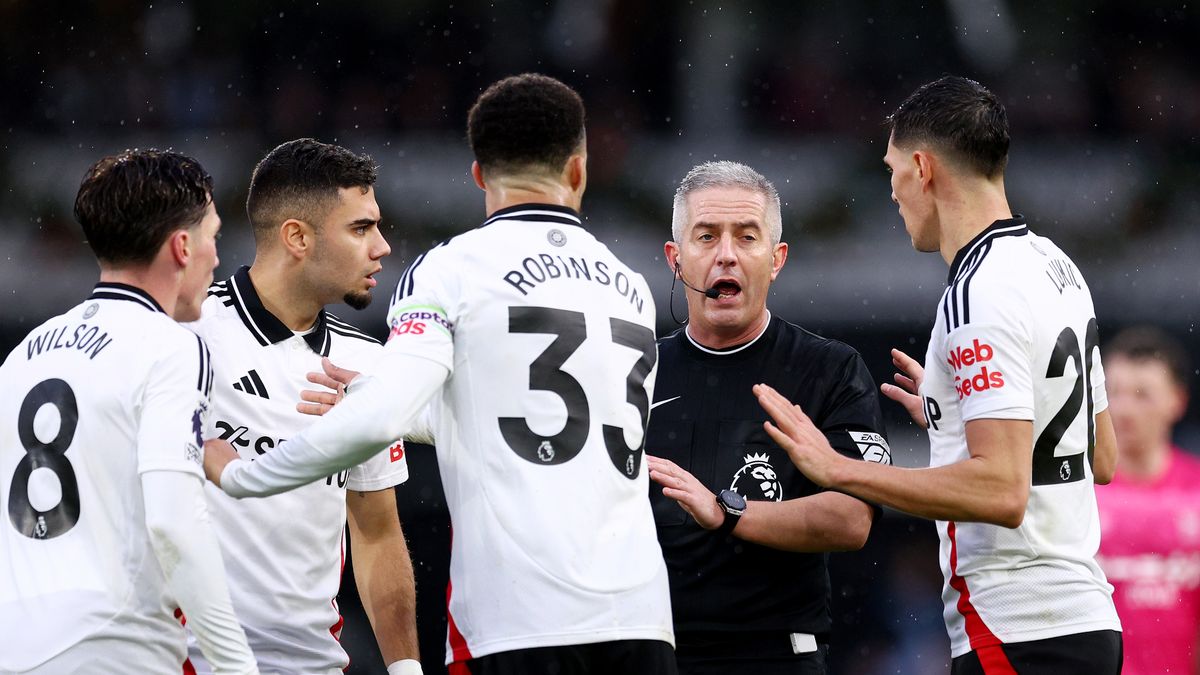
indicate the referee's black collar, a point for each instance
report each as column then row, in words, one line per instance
column 1009, row 227
column 735, row 352
column 265, row 326
column 110, row 290
column 548, row 213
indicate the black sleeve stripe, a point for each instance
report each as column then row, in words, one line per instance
column 202, row 378
column 406, row 285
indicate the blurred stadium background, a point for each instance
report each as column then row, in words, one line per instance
column 1103, row 96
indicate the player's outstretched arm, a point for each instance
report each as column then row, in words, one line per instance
column 991, row 486
column 828, row 521
column 190, row 557
column 384, row 574
column 381, row 407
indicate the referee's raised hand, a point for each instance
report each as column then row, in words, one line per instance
column 795, row 432
column 687, row 491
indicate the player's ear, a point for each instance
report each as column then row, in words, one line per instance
column 924, row 167
column 477, row 174
column 180, row 246
column 296, row 237
column 576, row 172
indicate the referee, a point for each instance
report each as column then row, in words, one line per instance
column 745, row 534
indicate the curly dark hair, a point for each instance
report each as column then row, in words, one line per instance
column 300, row 179
column 1149, row 343
column 959, row 117
column 129, row 204
column 526, row 122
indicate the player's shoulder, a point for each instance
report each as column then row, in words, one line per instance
column 346, row 337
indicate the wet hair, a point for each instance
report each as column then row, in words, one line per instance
column 300, row 179
column 525, row 123
column 959, row 118
column 1148, row 343
column 130, row 203
column 725, row 174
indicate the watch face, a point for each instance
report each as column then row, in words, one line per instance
column 733, row 500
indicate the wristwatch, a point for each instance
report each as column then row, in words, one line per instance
column 733, row 505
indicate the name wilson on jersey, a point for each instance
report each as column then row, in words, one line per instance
column 546, row 267
column 84, row 338
column 971, row 381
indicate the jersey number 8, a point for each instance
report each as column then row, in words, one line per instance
column 546, row 374
column 59, row 519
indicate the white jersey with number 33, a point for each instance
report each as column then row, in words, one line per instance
column 1016, row 338
column 550, row 342
column 89, row 401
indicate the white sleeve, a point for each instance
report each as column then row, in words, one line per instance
column 379, row 407
column 190, row 557
column 174, row 407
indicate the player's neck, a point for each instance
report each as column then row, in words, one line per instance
column 1146, row 465
column 967, row 211
column 284, row 294
column 504, row 192
column 163, row 287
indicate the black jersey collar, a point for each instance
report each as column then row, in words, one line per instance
column 109, row 290
column 1009, row 227
column 265, row 326
column 548, row 213
column 743, row 348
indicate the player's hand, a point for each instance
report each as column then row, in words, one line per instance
column 687, row 491
column 334, row 379
column 217, row 453
column 909, row 380
column 794, row 432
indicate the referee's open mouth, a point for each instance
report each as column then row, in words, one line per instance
column 728, row 288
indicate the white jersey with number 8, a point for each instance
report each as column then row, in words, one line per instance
column 1016, row 338
column 89, row 401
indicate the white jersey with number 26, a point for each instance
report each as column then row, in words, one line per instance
column 1016, row 338
column 549, row 339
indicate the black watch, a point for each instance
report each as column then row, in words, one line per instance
column 733, row 506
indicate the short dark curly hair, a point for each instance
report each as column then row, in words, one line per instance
column 959, row 117
column 526, row 122
column 129, row 203
column 1149, row 343
column 300, row 179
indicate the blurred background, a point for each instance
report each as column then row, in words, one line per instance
column 1103, row 97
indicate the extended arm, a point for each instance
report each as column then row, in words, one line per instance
column 384, row 573
column 187, row 551
column 823, row 522
column 991, row 486
column 380, row 408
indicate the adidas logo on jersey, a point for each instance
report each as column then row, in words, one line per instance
column 252, row 384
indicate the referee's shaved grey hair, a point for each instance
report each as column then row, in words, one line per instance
column 725, row 174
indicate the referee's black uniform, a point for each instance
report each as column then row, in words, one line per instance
column 736, row 604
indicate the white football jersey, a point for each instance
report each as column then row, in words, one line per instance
column 540, row 427
column 284, row 553
column 1016, row 338
column 89, row 401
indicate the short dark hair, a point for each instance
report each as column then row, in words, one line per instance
column 526, row 122
column 129, row 204
column 959, row 117
column 300, row 178
column 1148, row 343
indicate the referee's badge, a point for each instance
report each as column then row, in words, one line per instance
column 757, row 480
column 874, row 447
